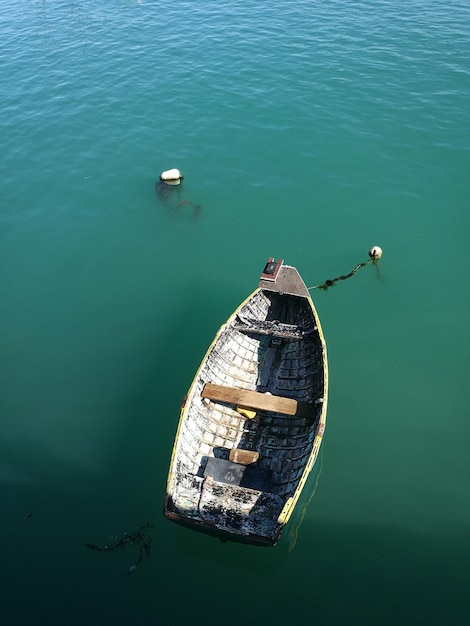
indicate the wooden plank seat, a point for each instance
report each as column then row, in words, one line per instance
column 257, row 400
column 244, row 457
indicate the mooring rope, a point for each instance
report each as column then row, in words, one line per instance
column 375, row 253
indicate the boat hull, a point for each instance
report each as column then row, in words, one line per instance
column 253, row 420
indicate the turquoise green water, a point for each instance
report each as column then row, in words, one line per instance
column 307, row 131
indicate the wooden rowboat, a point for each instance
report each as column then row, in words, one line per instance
column 252, row 423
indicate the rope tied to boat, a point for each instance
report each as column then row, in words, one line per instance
column 375, row 254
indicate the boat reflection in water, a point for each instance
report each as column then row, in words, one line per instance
column 292, row 532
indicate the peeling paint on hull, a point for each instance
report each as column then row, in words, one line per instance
column 254, row 417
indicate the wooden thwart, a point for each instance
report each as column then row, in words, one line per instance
column 244, row 457
column 257, row 401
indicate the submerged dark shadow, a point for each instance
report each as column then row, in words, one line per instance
column 372, row 574
column 171, row 197
column 349, row 573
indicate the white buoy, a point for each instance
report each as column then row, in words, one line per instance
column 171, row 177
column 375, row 253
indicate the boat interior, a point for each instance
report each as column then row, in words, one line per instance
column 260, row 392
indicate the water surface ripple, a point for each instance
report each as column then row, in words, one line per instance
column 307, row 131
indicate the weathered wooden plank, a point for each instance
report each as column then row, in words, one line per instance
column 256, row 400
column 244, row 457
column 276, row 329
